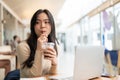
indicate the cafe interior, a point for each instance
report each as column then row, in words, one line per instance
column 77, row 23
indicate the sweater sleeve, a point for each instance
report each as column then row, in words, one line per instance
column 23, row 52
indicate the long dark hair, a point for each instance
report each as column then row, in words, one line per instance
column 32, row 39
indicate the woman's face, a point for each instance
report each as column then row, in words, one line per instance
column 42, row 25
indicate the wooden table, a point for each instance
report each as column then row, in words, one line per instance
column 106, row 78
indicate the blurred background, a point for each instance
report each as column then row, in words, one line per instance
column 78, row 22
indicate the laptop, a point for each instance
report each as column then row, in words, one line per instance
column 88, row 62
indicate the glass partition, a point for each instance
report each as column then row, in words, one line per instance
column 94, row 24
column 117, row 25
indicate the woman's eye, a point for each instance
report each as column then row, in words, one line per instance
column 37, row 22
column 47, row 22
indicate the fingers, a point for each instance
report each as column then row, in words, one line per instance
column 51, row 53
column 43, row 38
column 41, row 41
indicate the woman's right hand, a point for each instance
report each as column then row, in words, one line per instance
column 41, row 41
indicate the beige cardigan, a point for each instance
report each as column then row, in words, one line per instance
column 40, row 66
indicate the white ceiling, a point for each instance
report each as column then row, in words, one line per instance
column 24, row 9
column 65, row 12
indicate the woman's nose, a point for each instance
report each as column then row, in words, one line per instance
column 43, row 24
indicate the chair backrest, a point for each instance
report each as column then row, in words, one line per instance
column 113, row 56
column 113, row 59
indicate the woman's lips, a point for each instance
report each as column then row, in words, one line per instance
column 43, row 32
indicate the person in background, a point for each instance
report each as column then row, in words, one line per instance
column 7, row 42
column 34, row 59
column 16, row 41
column 14, row 75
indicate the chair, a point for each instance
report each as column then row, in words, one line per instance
column 113, row 54
column 5, row 63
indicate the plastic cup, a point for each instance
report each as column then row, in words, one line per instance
column 48, row 44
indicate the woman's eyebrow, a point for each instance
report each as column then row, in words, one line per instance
column 46, row 19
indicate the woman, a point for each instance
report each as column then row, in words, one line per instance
column 34, row 60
